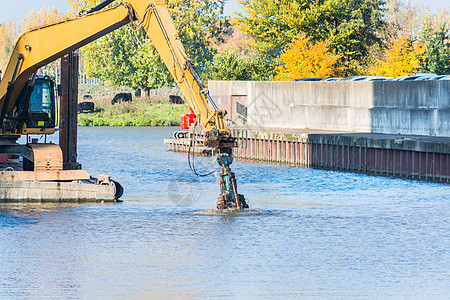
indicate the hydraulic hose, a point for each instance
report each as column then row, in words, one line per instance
column 192, row 166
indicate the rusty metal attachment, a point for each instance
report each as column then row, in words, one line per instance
column 229, row 197
column 223, row 143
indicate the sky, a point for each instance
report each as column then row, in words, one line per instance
column 17, row 9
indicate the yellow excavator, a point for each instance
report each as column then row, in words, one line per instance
column 27, row 101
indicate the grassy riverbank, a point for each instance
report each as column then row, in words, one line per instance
column 140, row 112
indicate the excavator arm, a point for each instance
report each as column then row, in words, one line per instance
column 40, row 46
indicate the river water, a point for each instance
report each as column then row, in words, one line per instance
column 309, row 233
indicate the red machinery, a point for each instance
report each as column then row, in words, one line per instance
column 188, row 119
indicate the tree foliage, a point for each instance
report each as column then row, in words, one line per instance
column 415, row 40
column 228, row 65
column 43, row 17
column 8, row 35
column 304, row 59
column 126, row 57
column 77, row 6
column 351, row 27
column 402, row 57
column 199, row 23
column 437, row 49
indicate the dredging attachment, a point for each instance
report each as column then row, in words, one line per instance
column 224, row 144
column 229, row 197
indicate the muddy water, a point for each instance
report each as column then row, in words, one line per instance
column 309, row 234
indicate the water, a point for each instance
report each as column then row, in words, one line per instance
column 309, row 234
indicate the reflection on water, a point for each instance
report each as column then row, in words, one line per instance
column 309, row 233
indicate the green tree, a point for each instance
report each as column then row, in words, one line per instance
column 357, row 29
column 437, row 49
column 262, row 69
column 112, row 58
column 199, row 23
column 350, row 26
column 228, row 65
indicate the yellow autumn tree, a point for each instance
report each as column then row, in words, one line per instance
column 304, row 59
column 43, row 17
column 9, row 32
column 76, row 6
column 401, row 58
column 8, row 35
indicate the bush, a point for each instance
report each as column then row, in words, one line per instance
column 227, row 65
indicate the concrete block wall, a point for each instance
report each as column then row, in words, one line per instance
column 417, row 108
column 231, row 95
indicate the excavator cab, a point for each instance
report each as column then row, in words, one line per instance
column 34, row 112
column 35, row 108
column 41, row 109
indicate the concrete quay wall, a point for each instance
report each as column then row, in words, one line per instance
column 389, row 107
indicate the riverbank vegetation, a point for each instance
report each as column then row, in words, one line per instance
column 143, row 111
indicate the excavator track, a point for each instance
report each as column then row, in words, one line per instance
column 47, row 157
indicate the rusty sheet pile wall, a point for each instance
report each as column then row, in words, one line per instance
column 414, row 157
column 389, row 155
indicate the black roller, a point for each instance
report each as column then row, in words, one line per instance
column 100, row 6
column 118, row 190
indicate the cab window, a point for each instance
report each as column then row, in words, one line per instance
column 42, row 105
